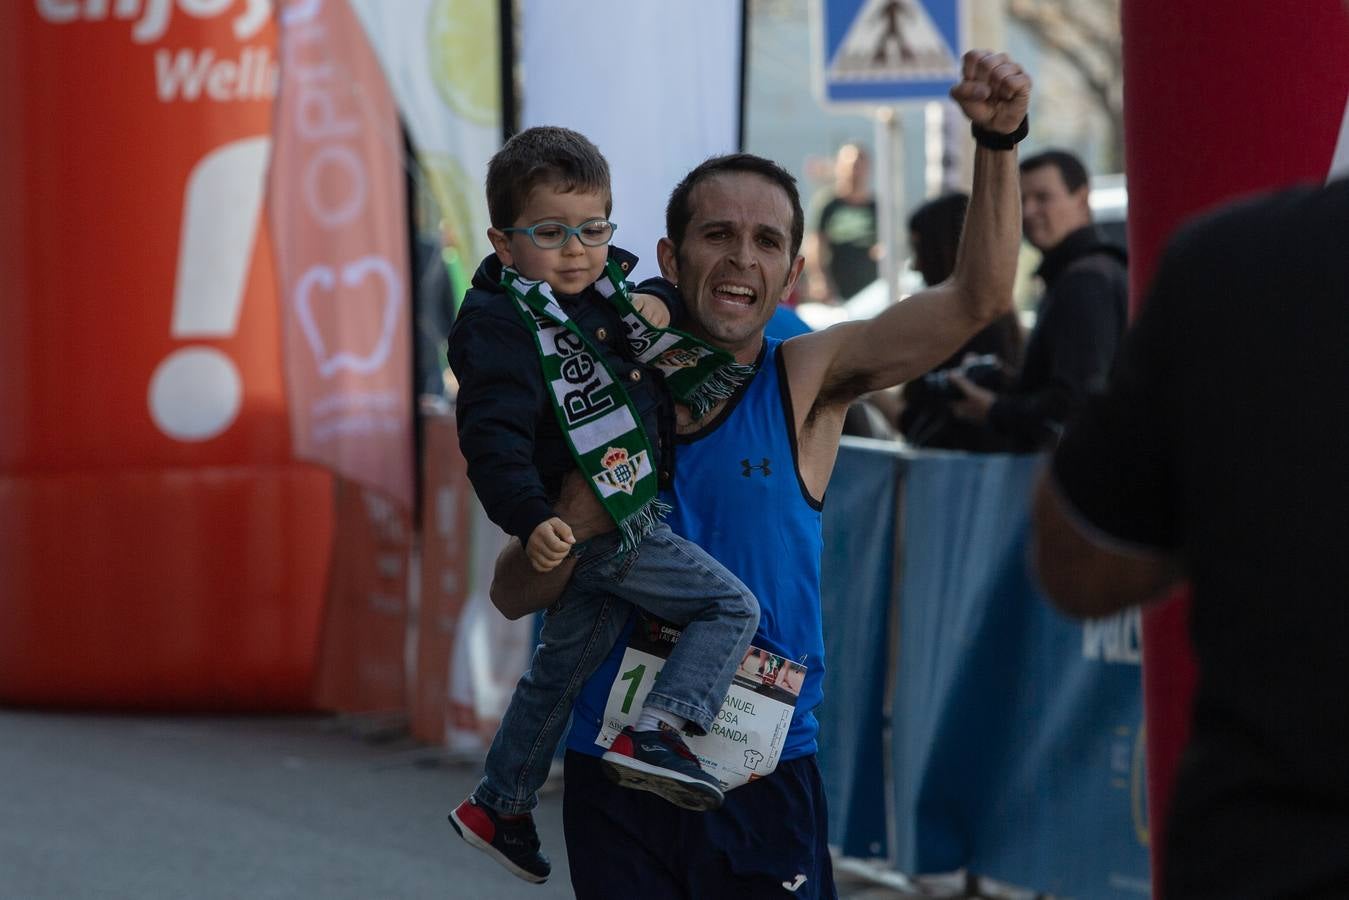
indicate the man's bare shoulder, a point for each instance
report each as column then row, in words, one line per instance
column 807, row 360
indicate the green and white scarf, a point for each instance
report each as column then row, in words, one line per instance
column 603, row 428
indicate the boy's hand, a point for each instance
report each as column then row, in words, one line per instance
column 549, row 544
column 652, row 309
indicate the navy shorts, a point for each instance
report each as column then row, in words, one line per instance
column 770, row 839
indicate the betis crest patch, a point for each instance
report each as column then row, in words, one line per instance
column 621, row 471
column 682, row 357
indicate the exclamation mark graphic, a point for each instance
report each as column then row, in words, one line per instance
column 196, row 392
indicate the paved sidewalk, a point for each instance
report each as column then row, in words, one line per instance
column 147, row 808
column 120, row 807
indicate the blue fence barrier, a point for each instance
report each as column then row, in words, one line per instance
column 966, row 724
column 860, row 524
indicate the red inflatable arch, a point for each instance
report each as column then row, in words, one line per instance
column 159, row 548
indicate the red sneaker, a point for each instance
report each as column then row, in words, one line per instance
column 510, row 840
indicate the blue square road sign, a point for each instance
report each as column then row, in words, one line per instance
column 880, row 52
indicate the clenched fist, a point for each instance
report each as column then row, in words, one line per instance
column 994, row 91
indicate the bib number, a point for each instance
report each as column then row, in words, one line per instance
column 750, row 730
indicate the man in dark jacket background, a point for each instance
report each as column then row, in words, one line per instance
column 1081, row 317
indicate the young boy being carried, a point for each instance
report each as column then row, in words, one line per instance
column 560, row 369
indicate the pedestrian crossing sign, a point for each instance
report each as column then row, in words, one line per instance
column 888, row 51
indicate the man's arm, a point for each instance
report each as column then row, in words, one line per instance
column 1109, row 516
column 1082, row 574
column 833, row 367
column 517, row 588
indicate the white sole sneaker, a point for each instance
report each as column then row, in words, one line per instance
column 471, row 838
column 686, row 793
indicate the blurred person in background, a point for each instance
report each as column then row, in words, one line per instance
column 1158, row 480
column 786, row 324
column 433, row 305
column 452, row 256
column 843, row 249
column 926, row 419
column 1081, row 315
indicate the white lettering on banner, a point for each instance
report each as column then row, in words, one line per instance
column 345, row 159
column 189, row 76
column 356, row 426
column 58, row 11
column 316, row 127
column 1130, row 884
column 383, row 516
column 300, row 11
column 188, row 73
column 1117, row 639
column 155, row 14
column 335, row 404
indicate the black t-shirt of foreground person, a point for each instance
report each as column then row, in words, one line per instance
column 1218, row 453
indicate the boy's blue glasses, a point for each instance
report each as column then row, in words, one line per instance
column 552, row 235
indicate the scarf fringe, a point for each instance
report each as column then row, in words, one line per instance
column 720, row 385
column 643, row 522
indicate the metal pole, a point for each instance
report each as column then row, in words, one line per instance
column 889, row 179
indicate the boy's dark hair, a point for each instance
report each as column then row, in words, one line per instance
column 1070, row 167
column 678, row 213
column 558, row 157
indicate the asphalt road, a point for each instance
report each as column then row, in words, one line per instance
column 119, row 807
column 147, row 808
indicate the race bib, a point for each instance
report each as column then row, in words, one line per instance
column 747, row 736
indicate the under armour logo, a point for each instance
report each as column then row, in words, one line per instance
column 762, row 467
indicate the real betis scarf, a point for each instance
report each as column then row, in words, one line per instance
column 603, row 428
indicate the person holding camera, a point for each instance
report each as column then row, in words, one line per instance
column 1082, row 314
column 989, row 359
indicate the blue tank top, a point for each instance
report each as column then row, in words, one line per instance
column 738, row 495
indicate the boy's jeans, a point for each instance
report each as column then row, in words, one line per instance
column 668, row 577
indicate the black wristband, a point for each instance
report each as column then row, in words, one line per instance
column 995, row 140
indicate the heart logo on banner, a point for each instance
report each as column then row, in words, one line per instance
column 353, row 274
